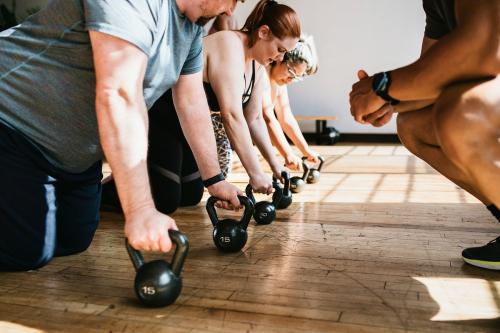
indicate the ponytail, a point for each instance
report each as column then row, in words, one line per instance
column 281, row 20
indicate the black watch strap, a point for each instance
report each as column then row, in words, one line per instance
column 214, row 180
column 381, row 83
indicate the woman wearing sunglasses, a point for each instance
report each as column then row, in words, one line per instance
column 297, row 63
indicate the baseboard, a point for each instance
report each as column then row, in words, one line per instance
column 359, row 138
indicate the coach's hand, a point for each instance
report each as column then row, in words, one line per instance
column 363, row 99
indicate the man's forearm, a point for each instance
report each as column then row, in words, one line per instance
column 412, row 105
column 469, row 52
column 123, row 132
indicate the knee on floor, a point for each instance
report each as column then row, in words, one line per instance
column 166, row 206
column 25, row 261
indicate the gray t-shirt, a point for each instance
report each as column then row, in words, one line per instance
column 47, row 79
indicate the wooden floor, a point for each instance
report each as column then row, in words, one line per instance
column 374, row 247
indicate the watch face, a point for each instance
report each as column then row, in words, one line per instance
column 380, row 83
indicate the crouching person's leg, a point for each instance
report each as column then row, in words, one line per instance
column 467, row 122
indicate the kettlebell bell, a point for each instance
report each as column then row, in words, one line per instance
column 286, row 194
column 315, row 174
column 230, row 235
column 265, row 211
column 159, row 283
column 297, row 183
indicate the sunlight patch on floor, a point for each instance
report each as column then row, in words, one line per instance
column 454, row 294
column 8, row 327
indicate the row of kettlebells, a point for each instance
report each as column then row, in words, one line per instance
column 159, row 283
column 230, row 235
column 309, row 176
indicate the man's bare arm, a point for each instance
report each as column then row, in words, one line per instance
column 471, row 51
column 123, row 125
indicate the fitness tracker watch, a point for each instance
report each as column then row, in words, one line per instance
column 214, row 180
column 380, row 85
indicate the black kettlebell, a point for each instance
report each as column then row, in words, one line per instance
column 297, row 183
column 265, row 211
column 230, row 235
column 315, row 174
column 159, row 283
column 286, row 194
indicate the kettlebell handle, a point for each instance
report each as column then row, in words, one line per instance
column 135, row 255
column 181, row 251
column 279, row 192
column 321, row 161
column 276, row 198
column 286, row 179
column 305, row 167
column 249, row 193
column 247, row 214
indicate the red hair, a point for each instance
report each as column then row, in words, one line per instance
column 282, row 20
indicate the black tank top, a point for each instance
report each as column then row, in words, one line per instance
column 213, row 103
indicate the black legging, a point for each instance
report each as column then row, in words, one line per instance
column 173, row 173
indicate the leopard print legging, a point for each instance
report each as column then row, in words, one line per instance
column 224, row 151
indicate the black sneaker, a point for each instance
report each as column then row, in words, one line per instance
column 487, row 256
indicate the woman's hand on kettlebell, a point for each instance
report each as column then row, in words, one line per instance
column 278, row 173
column 228, row 193
column 262, row 183
column 293, row 162
column 147, row 230
column 312, row 156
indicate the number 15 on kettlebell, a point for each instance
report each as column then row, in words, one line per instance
column 159, row 283
column 230, row 235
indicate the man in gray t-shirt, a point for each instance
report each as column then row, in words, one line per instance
column 81, row 75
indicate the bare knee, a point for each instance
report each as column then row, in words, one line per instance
column 464, row 124
column 407, row 132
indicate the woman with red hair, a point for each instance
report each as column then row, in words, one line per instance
column 233, row 74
